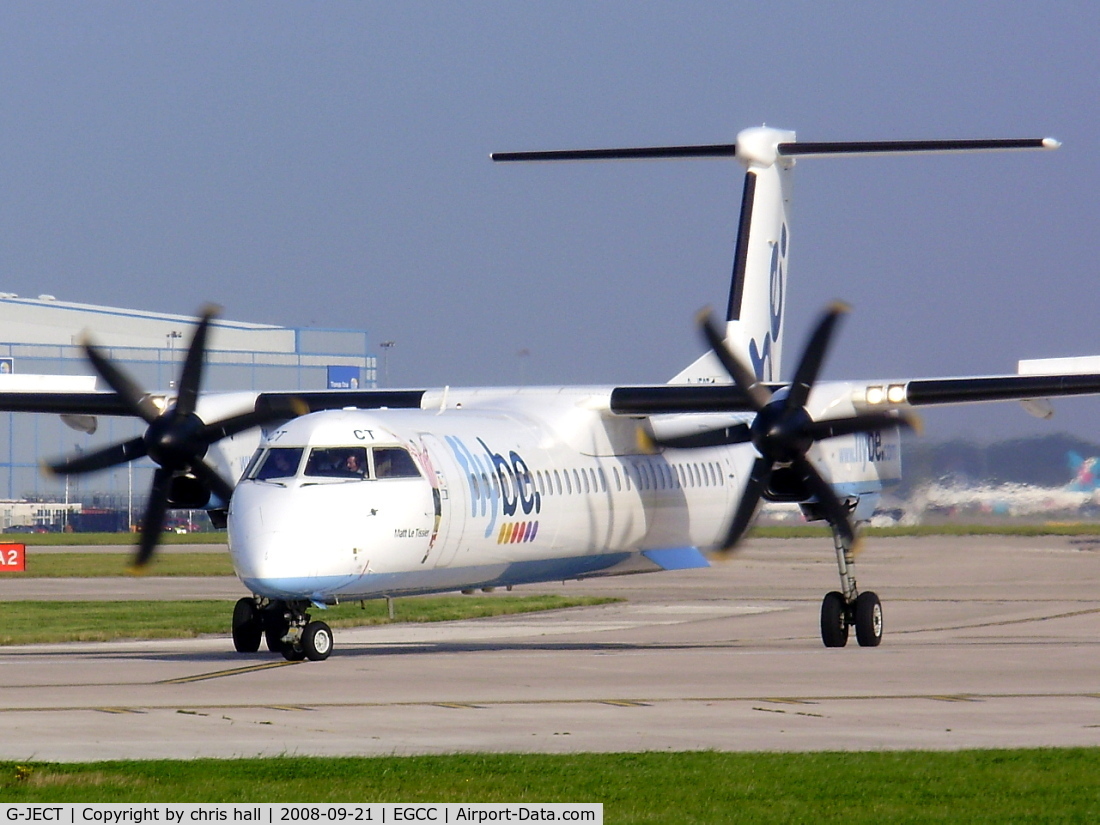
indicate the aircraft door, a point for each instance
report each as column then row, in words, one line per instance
column 450, row 498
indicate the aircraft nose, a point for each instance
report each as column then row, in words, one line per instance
column 264, row 530
column 301, row 542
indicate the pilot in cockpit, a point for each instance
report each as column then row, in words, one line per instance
column 353, row 464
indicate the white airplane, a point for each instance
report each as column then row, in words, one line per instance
column 355, row 495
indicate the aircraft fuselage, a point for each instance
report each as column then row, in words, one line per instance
column 493, row 492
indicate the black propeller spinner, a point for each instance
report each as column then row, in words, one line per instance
column 783, row 430
column 176, row 438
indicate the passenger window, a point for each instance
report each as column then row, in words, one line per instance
column 281, row 462
column 337, row 462
column 394, row 462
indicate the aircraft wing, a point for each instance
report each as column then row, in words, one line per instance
column 63, row 403
column 96, row 402
column 865, row 395
column 317, row 400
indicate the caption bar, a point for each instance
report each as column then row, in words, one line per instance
column 116, row 813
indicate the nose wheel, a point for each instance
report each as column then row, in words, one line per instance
column 286, row 628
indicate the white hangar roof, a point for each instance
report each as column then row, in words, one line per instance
column 46, row 321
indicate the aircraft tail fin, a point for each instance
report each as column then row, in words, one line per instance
column 755, row 310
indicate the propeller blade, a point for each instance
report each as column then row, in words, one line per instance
column 719, row 437
column 127, row 389
column 212, row 479
column 866, row 423
column 100, row 459
column 742, row 376
column 191, row 376
column 814, row 355
column 228, row 427
column 834, row 510
column 152, row 525
column 754, row 489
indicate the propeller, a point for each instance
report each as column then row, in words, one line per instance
column 783, row 430
column 176, row 439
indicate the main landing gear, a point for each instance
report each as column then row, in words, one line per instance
column 842, row 610
column 285, row 626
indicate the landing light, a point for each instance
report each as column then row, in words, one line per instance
column 892, row 394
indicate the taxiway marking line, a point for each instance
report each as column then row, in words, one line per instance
column 639, row 702
column 218, row 674
column 1003, row 623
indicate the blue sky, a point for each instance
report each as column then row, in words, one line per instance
column 326, row 164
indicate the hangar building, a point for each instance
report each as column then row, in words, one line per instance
column 42, row 336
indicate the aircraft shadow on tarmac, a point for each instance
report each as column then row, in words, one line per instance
column 406, row 649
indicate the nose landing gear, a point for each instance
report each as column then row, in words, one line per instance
column 285, row 626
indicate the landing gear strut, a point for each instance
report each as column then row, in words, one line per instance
column 841, row 610
column 285, row 626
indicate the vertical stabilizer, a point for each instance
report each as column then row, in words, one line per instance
column 758, row 289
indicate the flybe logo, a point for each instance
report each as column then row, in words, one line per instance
column 761, row 353
column 869, row 448
column 498, row 486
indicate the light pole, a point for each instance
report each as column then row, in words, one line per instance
column 172, row 336
column 386, row 347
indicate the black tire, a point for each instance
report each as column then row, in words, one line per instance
column 317, row 641
column 247, row 629
column 834, row 620
column 275, row 628
column 292, row 653
column 868, row 620
column 274, row 639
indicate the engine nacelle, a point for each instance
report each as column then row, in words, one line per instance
column 187, row 493
column 787, row 486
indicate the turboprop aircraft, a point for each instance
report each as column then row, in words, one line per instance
column 365, row 494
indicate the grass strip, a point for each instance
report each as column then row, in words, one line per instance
column 1052, row 528
column 99, row 539
column 694, row 787
column 1045, row 529
column 96, row 565
column 33, row 622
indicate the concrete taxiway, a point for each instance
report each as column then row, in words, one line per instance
column 990, row 642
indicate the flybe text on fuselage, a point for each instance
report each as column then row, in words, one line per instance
column 497, row 484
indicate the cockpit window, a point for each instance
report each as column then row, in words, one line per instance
column 337, row 462
column 280, row 462
column 394, row 462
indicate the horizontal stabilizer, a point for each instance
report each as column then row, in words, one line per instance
column 910, row 147
column 717, row 150
column 744, row 149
